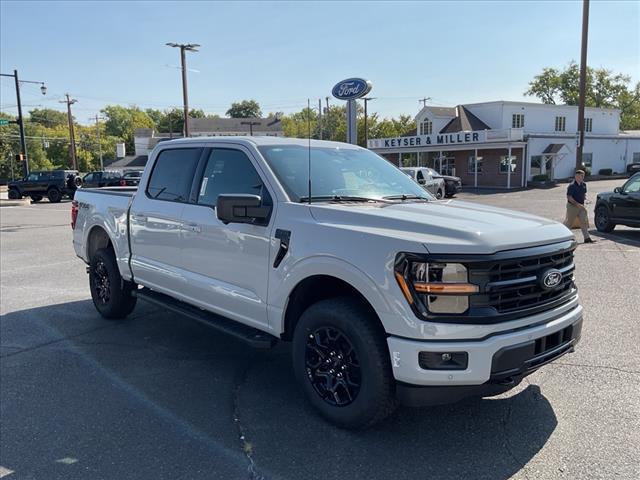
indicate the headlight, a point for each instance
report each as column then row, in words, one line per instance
column 434, row 287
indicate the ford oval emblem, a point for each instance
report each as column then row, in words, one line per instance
column 550, row 279
column 351, row 88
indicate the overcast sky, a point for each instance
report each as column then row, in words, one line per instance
column 283, row 53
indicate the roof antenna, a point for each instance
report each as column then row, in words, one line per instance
column 309, row 137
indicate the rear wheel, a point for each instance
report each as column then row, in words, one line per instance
column 14, row 194
column 54, row 195
column 341, row 360
column 603, row 220
column 112, row 296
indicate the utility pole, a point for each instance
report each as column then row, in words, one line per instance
column 185, row 47
column 424, row 101
column 20, row 119
column 366, row 127
column 320, row 117
column 72, row 136
column 327, row 100
column 251, row 124
column 583, row 81
column 98, row 137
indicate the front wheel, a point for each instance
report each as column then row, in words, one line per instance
column 111, row 295
column 439, row 194
column 603, row 220
column 341, row 361
column 54, row 195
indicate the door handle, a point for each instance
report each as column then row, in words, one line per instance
column 139, row 218
column 191, row 227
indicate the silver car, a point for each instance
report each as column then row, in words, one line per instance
column 425, row 178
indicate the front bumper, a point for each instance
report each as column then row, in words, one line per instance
column 498, row 358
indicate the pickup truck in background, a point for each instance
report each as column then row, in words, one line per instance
column 386, row 293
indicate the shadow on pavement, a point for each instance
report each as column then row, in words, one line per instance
column 160, row 396
column 626, row 237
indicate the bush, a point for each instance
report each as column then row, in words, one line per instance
column 540, row 178
column 605, row 171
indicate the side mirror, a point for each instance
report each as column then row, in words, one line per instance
column 617, row 190
column 242, row 209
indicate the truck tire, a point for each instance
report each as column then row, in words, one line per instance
column 54, row 195
column 341, row 361
column 112, row 296
column 14, row 194
column 439, row 194
column 603, row 220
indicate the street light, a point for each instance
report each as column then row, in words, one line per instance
column 184, row 47
column 20, row 120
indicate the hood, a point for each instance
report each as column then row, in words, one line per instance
column 448, row 226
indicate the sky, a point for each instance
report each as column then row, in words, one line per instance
column 281, row 53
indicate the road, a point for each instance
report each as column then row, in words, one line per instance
column 163, row 397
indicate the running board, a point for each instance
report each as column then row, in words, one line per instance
column 252, row 336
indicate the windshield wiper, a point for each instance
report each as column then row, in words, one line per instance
column 339, row 198
column 405, row 196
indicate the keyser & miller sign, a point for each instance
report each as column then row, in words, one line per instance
column 427, row 140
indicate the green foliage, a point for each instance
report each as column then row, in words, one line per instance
column 48, row 117
column 244, row 109
column 172, row 121
column 122, row 122
column 603, row 89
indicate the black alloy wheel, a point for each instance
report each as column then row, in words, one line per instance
column 101, row 282
column 603, row 220
column 332, row 366
column 112, row 296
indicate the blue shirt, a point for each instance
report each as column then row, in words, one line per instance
column 577, row 191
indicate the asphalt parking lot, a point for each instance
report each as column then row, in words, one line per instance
column 158, row 396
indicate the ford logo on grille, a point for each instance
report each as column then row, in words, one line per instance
column 351, row 88
column 550, row 279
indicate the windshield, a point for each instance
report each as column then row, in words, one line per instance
column 338, row 172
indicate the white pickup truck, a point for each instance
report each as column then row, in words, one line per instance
column 386, row 293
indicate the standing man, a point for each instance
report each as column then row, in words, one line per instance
column 576, row 193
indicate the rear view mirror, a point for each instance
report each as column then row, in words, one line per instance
column 242, row 209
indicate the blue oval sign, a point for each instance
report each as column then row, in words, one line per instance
column 351, row 88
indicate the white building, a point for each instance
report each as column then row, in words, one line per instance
column 476, row 141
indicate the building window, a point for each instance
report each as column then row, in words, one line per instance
column 587, row 159
column 448, row 166
column 588, row 124
column 472, row 164
column 536, row 164
column 636, row 157
column 561, row 123
column 517, row 120
column 426, row 127
column 504, row 164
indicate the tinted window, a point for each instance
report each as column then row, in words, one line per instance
column 419, row 175
column 57, row 175
column 228, row 171
column 88, row 178
column 632, row 186
column 172, row 174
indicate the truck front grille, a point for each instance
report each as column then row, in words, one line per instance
column 510, row 285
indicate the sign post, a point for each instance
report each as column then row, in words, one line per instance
column 350, row 90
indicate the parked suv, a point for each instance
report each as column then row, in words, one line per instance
column 103, row 179
column 620, row 207
column 424, row 177
column 54, row 184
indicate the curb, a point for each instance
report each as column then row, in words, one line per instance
column 23, row 202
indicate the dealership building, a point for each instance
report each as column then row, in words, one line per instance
column 505, row 144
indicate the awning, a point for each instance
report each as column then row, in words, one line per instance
column 553, row 148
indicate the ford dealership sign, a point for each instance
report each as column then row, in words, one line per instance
column 351, row 88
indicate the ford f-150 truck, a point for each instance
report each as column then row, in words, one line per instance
column 387, row 294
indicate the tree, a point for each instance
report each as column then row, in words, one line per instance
column 604, row 89
column 244, row 109
column 48, row 117
column 122, row 122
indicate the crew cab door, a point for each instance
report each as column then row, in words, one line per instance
column 155, row 220
column 227, row 266
column 628, row 201
column 32, row 183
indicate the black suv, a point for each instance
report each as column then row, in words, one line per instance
column 103, row 179
column 620, row 207
column 54, row 184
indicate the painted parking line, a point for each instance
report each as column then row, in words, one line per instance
column 4, row 471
